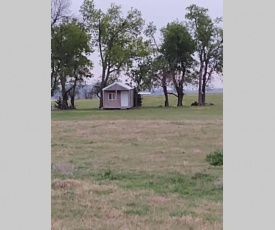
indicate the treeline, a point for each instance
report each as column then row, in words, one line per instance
column 189, row 51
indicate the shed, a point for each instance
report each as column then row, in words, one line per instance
column 118, row 96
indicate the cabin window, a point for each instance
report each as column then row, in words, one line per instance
column 112, row 96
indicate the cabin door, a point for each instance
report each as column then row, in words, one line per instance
column 124, row 98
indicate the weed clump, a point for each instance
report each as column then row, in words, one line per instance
column 215, row 158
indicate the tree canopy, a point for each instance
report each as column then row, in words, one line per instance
column 70, row 47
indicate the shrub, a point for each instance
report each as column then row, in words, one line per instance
column 215, row 158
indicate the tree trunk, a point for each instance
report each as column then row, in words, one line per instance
column 180, row 99
column 166, row 102
column 101, row 101
column 203, row 94
column 204, row 86
column 164, row 87
column 72, row 102
column 200, row 87
column 72, row 98
column 65, row 101
column 64, row 104
column 178, row 84
column 204, row 80
column 53, row 81
column 102, row 86
column 54, row 85
column 180, row 96
column 72, row 93
column 135, row 98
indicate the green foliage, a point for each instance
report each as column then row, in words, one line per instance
column 208, row 36
column 139, row 100
column 215, row 158
column 142, row 73
column 178, row 46
column 70, row 48
column 117, row 38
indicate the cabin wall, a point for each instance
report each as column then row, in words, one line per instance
column 111, row 104
column 116, row 104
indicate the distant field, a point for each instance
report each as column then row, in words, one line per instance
column 152, row 109
column 141, row 168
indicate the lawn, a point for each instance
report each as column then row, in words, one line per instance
column 141, row 168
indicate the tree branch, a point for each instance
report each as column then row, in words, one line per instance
column 111, row 41
column 173, row 94
column 99, row 43
column 214, row 52
column 209, row 76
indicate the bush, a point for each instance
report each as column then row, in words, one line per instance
column 215, row 158
column 137, row 99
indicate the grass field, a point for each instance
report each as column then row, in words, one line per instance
column 142, row 168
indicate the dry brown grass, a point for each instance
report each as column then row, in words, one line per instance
column 153, row 146
column 137, row 145
column 104, row 206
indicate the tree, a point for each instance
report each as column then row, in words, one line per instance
column 60, row 10
column 116, row 38
column 140, row 72
column 208, row 36
column 70, row 47
column 178, row 48
column 162, row 75
column 141, row 75
column 79, row 73
column 159, row 65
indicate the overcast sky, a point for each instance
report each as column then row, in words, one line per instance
column 160, row 12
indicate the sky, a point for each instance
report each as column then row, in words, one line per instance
column 160, row 12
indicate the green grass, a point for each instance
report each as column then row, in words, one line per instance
column 88, row 110
column 136, row 209
column 180, row 213
column 141, row 168
column 191, row 187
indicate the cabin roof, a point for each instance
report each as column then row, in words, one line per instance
column 118, row 86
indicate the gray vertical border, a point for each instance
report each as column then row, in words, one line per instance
column 249, row 137
column 25, row 176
